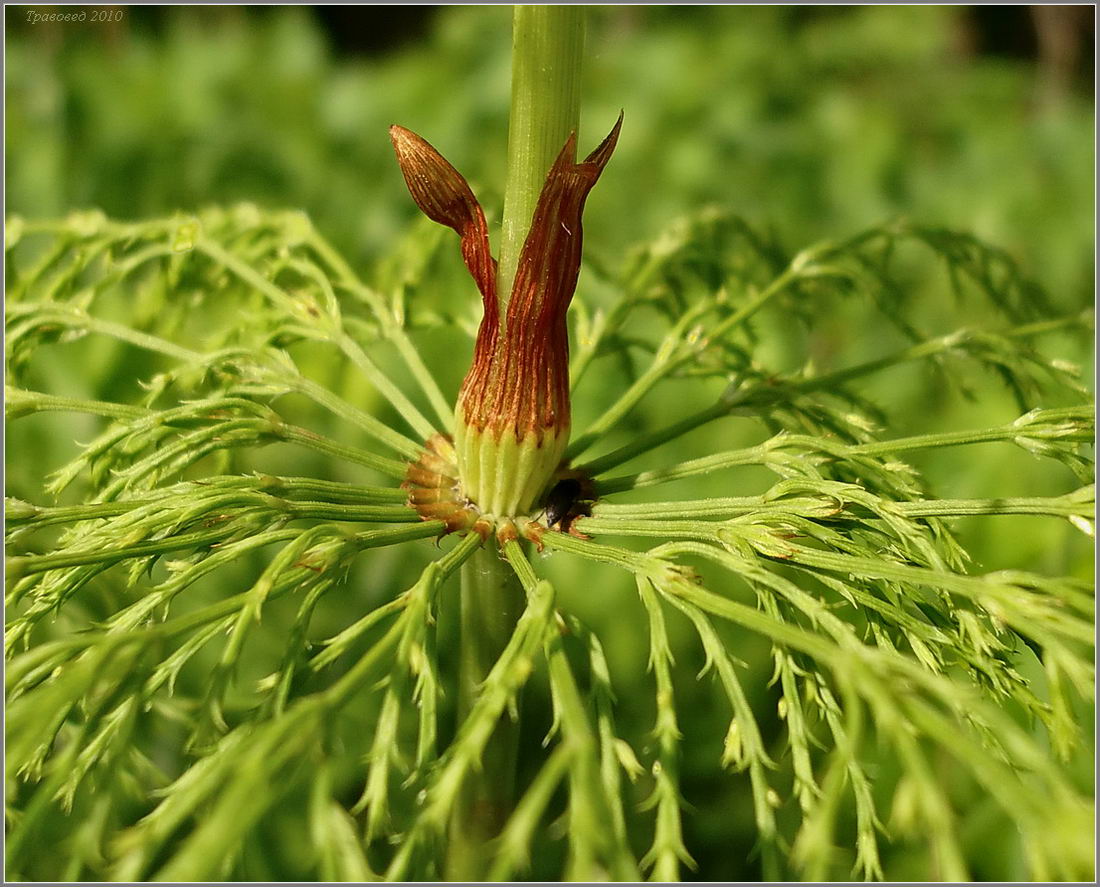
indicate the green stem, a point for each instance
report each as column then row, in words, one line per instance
column 391, row 328
column 607, row 515
column 764, row 393
column 680, row 347
column 1066, row 425
column 547, row 46
column 491, row 603
column 20, row 402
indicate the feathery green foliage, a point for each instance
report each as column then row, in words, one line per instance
column 209, row 662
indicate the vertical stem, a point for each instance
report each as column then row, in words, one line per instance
column 547, row 49
column 547, row 45
column 491, row 603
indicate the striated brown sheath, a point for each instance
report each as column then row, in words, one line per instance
column 512, row 420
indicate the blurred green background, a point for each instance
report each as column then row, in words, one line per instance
column 812, row 122
column 817, row 120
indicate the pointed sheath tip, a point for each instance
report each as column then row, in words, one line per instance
column 411, row 148
column 400, row 137
column 602, row 153
column 444, row 196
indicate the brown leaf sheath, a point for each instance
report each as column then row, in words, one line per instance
column 444, row 197
column 519, row 380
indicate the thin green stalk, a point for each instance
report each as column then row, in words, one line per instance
column 669, row 356
column 468, row 753
column 1034, row 429
column 1078, row 504
column 759, row 393
column 513, row 551
column 306, row 438
column 515, row 840
column 491, row 603
column 960, row 438
column 391, row 514
column 679, row 348
column 75, row 558
column 595, row 846
column 647, row 442
column 389, row 390
column 277, row 296
column 71, row 316
column 40, row 563
column 547, row 47
column 384, row 757
column 330, row 494
column 376, row 428
column 667, row 850
column 608, row 516
column 390, row 328
column 20, row 402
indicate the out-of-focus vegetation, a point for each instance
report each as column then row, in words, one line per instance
column 814, row 123
column 816, row 120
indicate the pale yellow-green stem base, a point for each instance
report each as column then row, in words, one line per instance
column 503, row 476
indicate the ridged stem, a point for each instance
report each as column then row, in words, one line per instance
column 547, row 45
column 547, row 49
column 491, row 603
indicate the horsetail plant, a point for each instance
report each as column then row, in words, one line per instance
column 212, row 673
